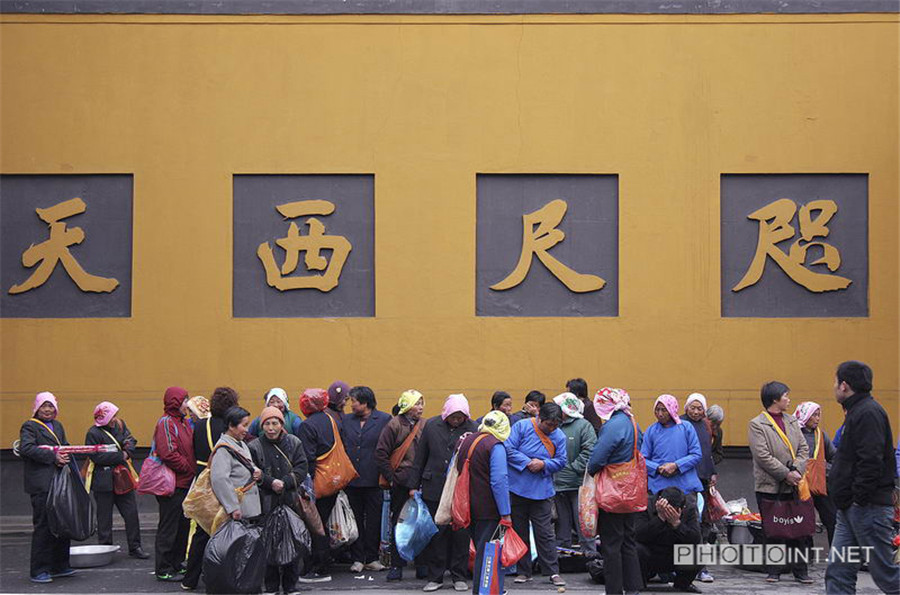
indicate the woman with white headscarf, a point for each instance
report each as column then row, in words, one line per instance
column 580, row 439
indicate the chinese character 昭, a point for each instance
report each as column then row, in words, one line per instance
column 311, row 243
column 775, row 226
column 537, row 241
column 56, row 249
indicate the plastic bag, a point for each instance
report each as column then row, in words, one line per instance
column 235, row 559
column 70, row 509
column 415, row 528
column 342, row 524
column 156, row 478
column 738, row 506
column 201, row 504
column 716, row 507
column 443, row 514
column 622, row 487
column 513, row 548
column 587, row 507
column 285, row 535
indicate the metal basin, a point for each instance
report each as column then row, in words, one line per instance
column 91, row 556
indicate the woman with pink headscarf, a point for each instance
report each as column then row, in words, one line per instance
column 672, row 450
column 821, row 452
column 49, row 554
column 109, row 429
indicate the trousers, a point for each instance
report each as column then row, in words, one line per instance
column 171, row 533
column 48, row 553
column 127, row 505
column 538, row 512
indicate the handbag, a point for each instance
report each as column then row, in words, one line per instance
column 788, row 519
column 124, row 477
column 156, row 477
column 444, row 513
column 307, row 510
column 398, row 455
column 201, row 503
column 333, row 469
column 461, row 510
column 622, row 487
column 490, row 575
column 815, row 469
column 587, row 506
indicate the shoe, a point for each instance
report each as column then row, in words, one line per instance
column 557, row 581
column 460, row 586
column 139, row 553
column 705, row 576
column 356, row 567
column 170, row 577
column 315, row 577
column 690, row 588
column 395, row 574
column 375, row 566
column 773, row 578
column 522, row 579
column 187, row 587
column 63, row 573
column 432, row 586
column 803, row 579
column 43, row 577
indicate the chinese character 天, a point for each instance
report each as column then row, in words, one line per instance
column 775, row 226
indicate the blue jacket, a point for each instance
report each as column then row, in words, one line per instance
column 360, row 443
column 523, row 445
column 500, row 479
column 675, row 443
column 615, row 442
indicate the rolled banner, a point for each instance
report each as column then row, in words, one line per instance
column 81, row 449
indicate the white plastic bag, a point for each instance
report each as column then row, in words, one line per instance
column 442, row 515
column 342, row 524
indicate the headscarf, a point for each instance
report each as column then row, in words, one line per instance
column 609, row 400
column 695, row 397
column 41, row 398
column 671, row 405
column 199, row 407
column 571, row 405
column 269, row 413
column 313, row 400
column 496, row 424
column 454, row 403
column 408, row 400
column 805, row 410
column 715, row 413
column 337, row 393
column 282, row 396
column 104, row 413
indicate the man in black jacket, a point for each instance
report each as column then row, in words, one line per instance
column 670, row 519
column 861, row 484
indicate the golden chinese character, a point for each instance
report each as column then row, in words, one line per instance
column 56, row 249
column 537, row 241
column 775, row 226
column 311, row 243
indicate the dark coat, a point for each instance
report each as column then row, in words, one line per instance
column 317, row 436
column 706, row 468
column 40, row 463
column 652, row 531
column 104, row 462
column 864, row 470
column 360, row 443
column 392, row 436
column 433, row 453
column 274, row 466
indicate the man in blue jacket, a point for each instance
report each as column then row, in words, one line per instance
column 535, row 450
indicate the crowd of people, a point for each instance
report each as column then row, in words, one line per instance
column 525, row 471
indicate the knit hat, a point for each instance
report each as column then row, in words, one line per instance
column 695, row 397
column 454, row 403
column 104, row 413
column 571, row 405
column 671, row 405
column 337, row 393
column 44, row 397
column 496, row 423
column 408, row 400
column 269, row 413
column 281, row 394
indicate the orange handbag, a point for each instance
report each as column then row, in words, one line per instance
column 333, row 469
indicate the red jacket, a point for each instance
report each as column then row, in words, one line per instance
column 174, row 438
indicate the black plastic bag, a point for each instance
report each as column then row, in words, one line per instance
column 595, row 569
column 70, row 508
column 285, row 535
column 235, row 559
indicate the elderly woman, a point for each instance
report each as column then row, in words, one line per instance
column 716, row 415
column 488, row 482
column 616, row 444
column 281, row 457
column 500, row 401
column 821, row 452
column 109, row 429
column 779, row 452
column 49, row 554
column 228, row 474
column 695, row 415
column 278, row 398
column 580, row 438
column 672, row 450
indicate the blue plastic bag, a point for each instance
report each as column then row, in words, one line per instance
column 491, row 576
column 415, row 528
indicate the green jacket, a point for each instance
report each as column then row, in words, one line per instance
column 580, row 438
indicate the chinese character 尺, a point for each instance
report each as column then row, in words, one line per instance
column 775, row 226
column 56, row 249
column 311, row 243
column 537, row 242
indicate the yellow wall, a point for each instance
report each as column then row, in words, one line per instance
column 667, row 102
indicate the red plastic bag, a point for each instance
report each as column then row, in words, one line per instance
column 461, row 511
column 622, row 487
column 513, row 548
column 715, row 505
column 587, row 506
